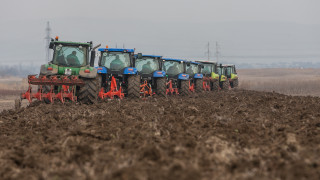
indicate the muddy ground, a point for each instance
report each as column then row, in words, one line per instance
column 226, row 135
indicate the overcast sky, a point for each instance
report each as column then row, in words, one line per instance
column 175, row 28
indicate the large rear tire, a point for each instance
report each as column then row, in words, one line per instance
column 184, row 88
column 161, row 87
column 88, row 94
column 199, row 85
column 215, row 86
column 225, row 85
column 134, row 86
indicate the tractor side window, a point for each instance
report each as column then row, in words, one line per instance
column 115, row 61
column 173, row 67
column 219, row 70
column 206, row 69
column 147, row 65
column 73, row 56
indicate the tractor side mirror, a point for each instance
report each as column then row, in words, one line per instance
column 188, row 63
column 202, row 66
column 139, row 55
column 51, row 45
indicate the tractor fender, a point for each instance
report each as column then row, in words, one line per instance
column 214, row 76
column 234, row 76
column 223, row 78
column 183, row 76
column 101, row 70
column 157, row 74
column 198, row 76
column 130, row 70
column 88, row 72
column 48, row 69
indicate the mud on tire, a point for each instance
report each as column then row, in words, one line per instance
column 215, row 86
column 134, row 86
column 184, row 88
column 199, row 85
column 161, row 87
column 236, row 83
column 225, row 85
column 88, row 94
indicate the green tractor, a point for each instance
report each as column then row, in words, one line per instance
column 69, row 75
column 223, row 80
column 210, row 75
column 232, row 75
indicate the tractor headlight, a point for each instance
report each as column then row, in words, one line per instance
column 67, row 71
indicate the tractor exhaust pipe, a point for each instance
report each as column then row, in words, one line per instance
column 93, row 54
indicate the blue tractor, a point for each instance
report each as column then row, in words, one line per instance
column 196, row 78
column 119, row 77
column 177, row 78
column 153, row 78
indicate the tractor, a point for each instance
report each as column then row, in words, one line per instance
column 119, row 76
column 223, row 80
column 68, row 76
column 196, row 78
column 232, row 75
column 210, row 75
column 153, row 78
column 177, row 79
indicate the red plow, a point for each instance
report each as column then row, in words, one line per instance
column 66, row 90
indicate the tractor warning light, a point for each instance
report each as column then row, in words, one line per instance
column 49, row 68
column 57, row 38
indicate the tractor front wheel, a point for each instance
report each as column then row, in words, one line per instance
column 199, row 85
column 215, row 86
column 88, row 94
column 235, row 83
column 134, row 86
column 161, row 87
column 184, row 88
column 225, row 85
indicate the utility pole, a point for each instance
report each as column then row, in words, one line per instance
column 47, row 38
column 208, row 51
column 217, row 51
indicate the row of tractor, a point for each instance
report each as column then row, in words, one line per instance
column 71, row 75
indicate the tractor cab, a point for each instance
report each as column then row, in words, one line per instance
column 149, row 66
column 117, row 62
column 175, row 68
column 194, row 70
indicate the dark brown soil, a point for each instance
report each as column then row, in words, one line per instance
column 226, row 135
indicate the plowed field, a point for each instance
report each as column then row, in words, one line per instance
column 237, row 134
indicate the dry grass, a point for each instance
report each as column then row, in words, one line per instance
column 286, row 81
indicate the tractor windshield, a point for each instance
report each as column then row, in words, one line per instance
column 229, row 70
column 115, row 61
column 173, row 67
column 72, row 56
column 147, row 65
column 192, row 69
column 219, row 69
column 207, row 69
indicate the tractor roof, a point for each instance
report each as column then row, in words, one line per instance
column 71, row 43
column 195, row 63
column 207, row 62
column 228, row 65
column 178, row 60
column 153, row 56
column 116, row 50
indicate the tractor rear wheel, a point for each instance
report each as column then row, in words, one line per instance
column 88, row 94
column 215, row 86
column 161, row 87
column 225, row 85
column 199, row 86
column 184, row 88
column 134, row 86
column 235, row 83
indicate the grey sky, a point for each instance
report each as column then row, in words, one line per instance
column 177, row 28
